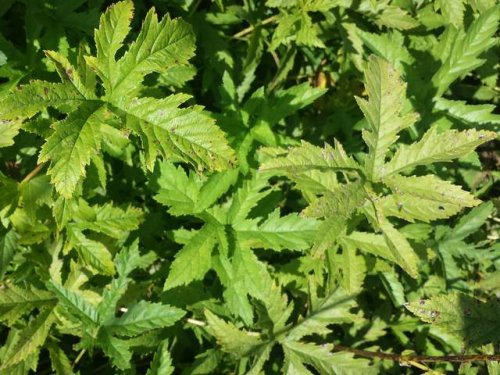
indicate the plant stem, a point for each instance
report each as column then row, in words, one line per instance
column 419, row 358
column 33, row 173
column 249, row 29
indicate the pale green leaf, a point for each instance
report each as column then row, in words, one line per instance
column 371, row 243
column 307, row 156
column 129, row 258
column 453, row 11
column 400, row 248
column 466, row 49
column 424, row 198
column 395, row 17
column 277, row 232
column 142, row 317
column 436, row 147
column 232, row 340
column 326, row 362
column 8, row 131
column 60, row 362
column 352, row 269
column 474, row 321
column 384, row 112
column 193, row 261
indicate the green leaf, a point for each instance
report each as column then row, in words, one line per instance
column 186, row 133
column 453, row 11
column 31, row 338
column 71, row 146
column 142, row 317
column 232, row 340
column 162, row 361
column 75, row 303
column 371, row 243
column 436, row 147
column 108, row 219
column 470, row 319
column 403, row 253
column 93, row 253
column 8, row 131
column 306, row 157
column 61, row 364
column 37, row 96
column 384, row 111
column 326, row 362
column 109, row 37
column 471, row 222
column 466, row 49
column 8, row 244
column 16, row 301
column 159, row 45
column 352, row 269
column 424, row 198
column 116, row 349
column 470, row 114
column 193, row 261
column 290, row 232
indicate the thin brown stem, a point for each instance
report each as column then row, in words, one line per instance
column 419, row 358
column 249, row 29
column 33, row 173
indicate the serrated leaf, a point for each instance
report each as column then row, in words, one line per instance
column 352, row 269
column 31, row 338
column 333, row 309
column 370, row 242
column 162, row 361
column 36, row 96
column 108, row 219
column 246, row 197
column 326, row 362
column 186, row 133
column 116, row 349
column 472, row 320
column 424, row 198
column 71, row 146
column 436, row 147
column 59, row 360
column 307, row 156
column 75, row 303
column 8, row 131
column 401, row 250
column 453, row 11
column 384, row 111
column 113, row 28
column 277, row 232
column 193, row 261
column 159, row 45
column 469, row 113
column 93, row 253
column 232, row 340
column 466, row 49
column 142, row 317
column 16, row 301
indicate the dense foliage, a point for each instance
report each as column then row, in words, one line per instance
column 256, row 187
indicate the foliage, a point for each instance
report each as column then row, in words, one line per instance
column 267, row 187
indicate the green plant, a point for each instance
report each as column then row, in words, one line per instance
column 165, row 205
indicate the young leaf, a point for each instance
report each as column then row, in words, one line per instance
column 162, row 361
column 384, row 111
